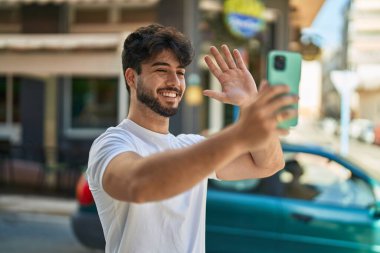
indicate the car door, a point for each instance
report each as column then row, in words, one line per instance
column 242, row 216
column 333, row 216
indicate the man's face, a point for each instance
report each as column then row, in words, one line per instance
column 161, row 84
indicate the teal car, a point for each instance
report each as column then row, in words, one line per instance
column 320, row 202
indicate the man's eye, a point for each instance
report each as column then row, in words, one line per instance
column 181, row 73
column 161, row 70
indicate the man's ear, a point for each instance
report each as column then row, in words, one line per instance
column 130, row 77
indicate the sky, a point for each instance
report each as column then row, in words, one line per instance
column 329, row 24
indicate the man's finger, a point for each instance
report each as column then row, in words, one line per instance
column 263, row 85
column 279, row 102
column 220, row 96
column 219, row 59
column 213, row 68
column 282, row 132
column 239, row 59
column 284, row 115
column 271, row 92
column 229, row 59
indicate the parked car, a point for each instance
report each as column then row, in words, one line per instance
column 358, row 126
column 319, row 202
column 85, row 221
column 368, row 135
column 329, row 126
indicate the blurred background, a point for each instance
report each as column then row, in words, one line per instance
column 61, row 84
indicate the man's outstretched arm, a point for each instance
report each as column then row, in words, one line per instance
column 133, row 178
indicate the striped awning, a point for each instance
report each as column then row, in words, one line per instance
column 59, row 42
column 61, row 54
column 124, row 2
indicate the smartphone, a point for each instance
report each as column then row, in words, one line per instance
column 284, row 67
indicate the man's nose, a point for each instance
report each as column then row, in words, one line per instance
column 173, row 79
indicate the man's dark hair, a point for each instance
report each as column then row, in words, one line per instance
column 146, row 42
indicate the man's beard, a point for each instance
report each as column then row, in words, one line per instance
column 144, row 97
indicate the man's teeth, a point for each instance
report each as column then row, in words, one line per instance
column 169, row 94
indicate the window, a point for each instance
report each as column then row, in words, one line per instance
column 9, row 100
column 93, row 103
column 9, row 15
column 247, row 186
column 138, row 15
column 3, row 99
column 270, row 186
column 10, row 127
column 10, row 21
column 319, row 179
column 310, row 178
column 91, row 15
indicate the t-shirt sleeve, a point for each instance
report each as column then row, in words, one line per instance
column 103, row 150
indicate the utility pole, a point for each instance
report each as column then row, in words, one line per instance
column 190, row 118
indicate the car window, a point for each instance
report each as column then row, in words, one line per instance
column 307, row 177
column 319, row 179
column 266, row 186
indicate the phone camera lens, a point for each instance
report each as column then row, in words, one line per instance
column 279, row 62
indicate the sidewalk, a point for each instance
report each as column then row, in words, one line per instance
column 37, row 204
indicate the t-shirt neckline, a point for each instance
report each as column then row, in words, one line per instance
column 127, row 123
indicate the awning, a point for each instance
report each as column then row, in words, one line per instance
column 61, row 64
column 59, row 41
column 124, row 2
column 63, row 54
column 304, row 12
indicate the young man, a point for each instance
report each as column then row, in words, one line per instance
column 150, row 186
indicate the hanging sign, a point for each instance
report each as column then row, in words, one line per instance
column 244, row 18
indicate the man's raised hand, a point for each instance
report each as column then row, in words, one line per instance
column 238, row 85
column 258, row 122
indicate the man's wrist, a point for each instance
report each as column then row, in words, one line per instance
column 247, row 100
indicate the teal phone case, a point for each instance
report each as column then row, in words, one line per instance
column 289, row 75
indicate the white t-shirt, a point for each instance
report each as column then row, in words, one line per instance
column 176, row 224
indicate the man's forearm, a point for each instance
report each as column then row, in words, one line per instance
column 164, row 175
column 271, row 157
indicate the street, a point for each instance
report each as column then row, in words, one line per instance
column 36, row 232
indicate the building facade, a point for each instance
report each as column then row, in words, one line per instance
column 364, row 56
column 61, row 80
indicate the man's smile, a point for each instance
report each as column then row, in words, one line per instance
column 170, row 93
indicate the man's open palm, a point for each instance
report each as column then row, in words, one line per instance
column 238, row 85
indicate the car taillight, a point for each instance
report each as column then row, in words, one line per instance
column 84, row 195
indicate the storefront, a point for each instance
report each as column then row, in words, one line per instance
column 61, row 81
